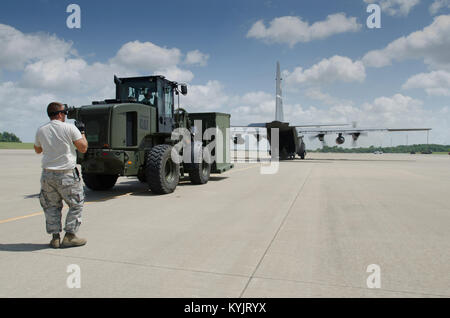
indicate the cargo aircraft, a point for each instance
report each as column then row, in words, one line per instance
column 291, row 137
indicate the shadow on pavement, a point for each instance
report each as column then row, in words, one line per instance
column 31, row 196
column 217, row 178
column 23, row 247
column 185, row 181
column 131, row 186
column 121, row 188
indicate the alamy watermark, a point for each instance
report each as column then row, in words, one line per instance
column 374, row 20
column 73, row 21
column 374, row 279
column 74, row 279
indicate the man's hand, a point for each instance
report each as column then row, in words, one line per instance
column 37, row 149
column 81, row 127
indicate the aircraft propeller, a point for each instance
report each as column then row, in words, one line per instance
column 321, row 138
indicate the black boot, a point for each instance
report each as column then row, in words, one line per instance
column 55, row 242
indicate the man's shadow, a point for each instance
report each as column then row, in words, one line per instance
column 23, row 247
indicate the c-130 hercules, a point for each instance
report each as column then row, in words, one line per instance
column 291, row 141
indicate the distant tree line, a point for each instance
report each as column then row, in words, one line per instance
column 397, row 149
column 8, row 137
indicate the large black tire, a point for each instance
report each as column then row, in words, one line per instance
column 199, row 172
column 161, row 173
column 302, row 152
column 284, row 154
column 99, row 182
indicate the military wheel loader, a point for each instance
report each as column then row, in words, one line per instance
column 131, row 135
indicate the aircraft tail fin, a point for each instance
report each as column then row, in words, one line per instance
column 279, row 114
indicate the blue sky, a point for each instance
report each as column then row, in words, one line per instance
column 236, row 69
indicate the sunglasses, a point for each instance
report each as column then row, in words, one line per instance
column 64, row 111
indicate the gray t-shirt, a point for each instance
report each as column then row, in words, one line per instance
column 56, row 140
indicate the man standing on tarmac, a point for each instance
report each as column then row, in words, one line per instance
column 60, row 178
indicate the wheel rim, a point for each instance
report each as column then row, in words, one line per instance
column 169, row 172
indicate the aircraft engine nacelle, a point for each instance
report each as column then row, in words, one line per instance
column 340, row 139
column 355, row 136
column 321, row 137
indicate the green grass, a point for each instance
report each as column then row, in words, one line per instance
column 16, row 145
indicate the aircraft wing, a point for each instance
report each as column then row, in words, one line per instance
column 320, row 125
column 263, row 125
column 353, row 131
column 356, row 130
column 304, row 129
column 316, row 132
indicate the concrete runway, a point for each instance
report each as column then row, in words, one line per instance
column 311, row 230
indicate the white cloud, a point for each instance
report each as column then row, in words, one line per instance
column 394, row 111
column 432, row 44
column 253, row 107
column 57, row 74
column 76, row 76
column 292, row 30
column 196, row 58
column 334, row 69
column 22, row 108
column 17, row 49
column 176, row 74
column 258, row 107
column 72, row 76
column 434, row 83
column 438, row 5
column 317, row 94
column 395, row 7
column 205, row 97
column 146, row 56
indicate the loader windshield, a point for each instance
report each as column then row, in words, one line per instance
column 145, row 93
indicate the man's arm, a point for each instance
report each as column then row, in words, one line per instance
column 37, row 149
column 81, row 144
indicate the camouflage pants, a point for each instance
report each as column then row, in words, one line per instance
column 56, row 187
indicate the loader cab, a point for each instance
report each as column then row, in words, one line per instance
column 154, row 91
